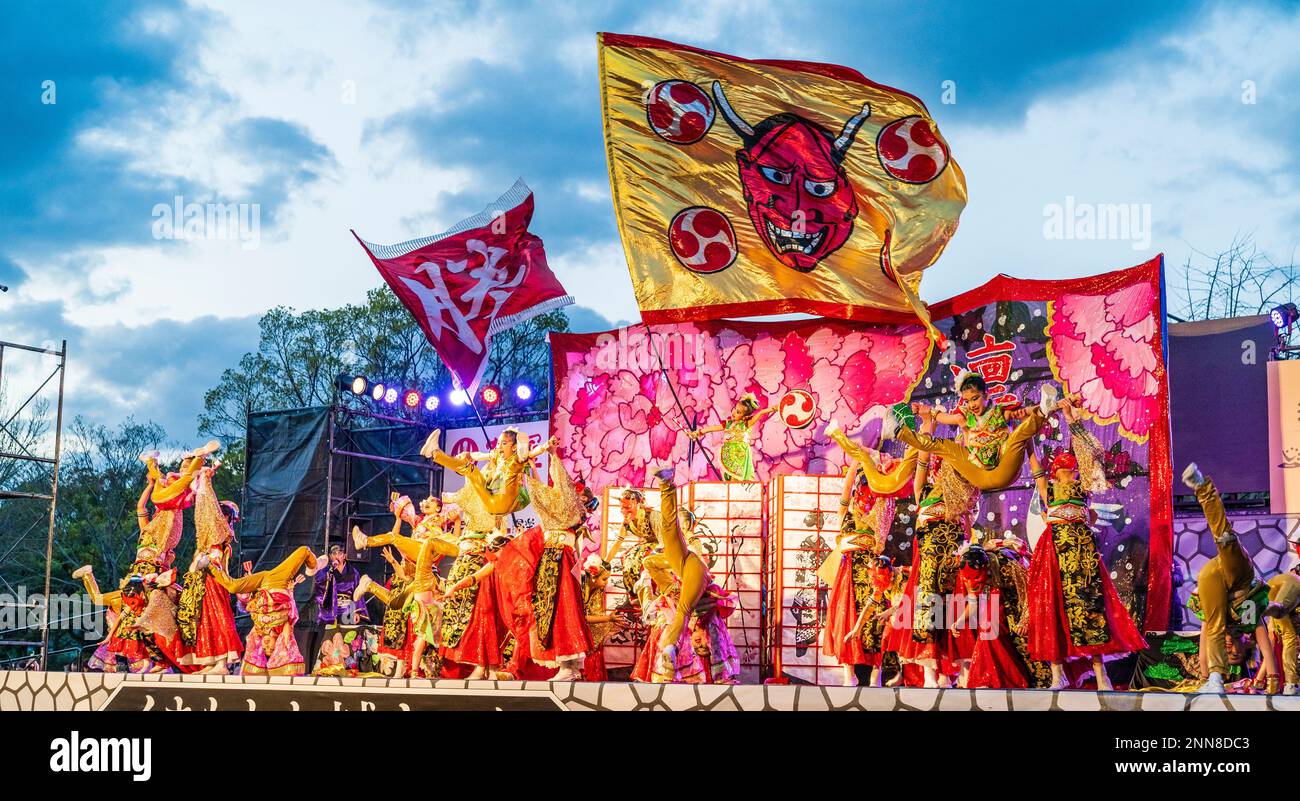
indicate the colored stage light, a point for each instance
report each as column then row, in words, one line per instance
column 524, row 392
column 411, row 399
column 359, row 385
column 1283, row 316
column 431, row 403
column 390, row 396
column 377, row 392
column 491, row 395
column 459, row 397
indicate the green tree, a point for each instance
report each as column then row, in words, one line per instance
column 300, row 355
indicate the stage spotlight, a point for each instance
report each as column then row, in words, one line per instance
column 390, row 396
column 524, row 392
column 411, row 399
column 491, row 395
column 359, row 385
column 1283, row 316
column 431, row 403
column 459, row 397
column 377, row 392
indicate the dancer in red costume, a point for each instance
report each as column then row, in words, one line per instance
column 853, row 634
column 146, row 633
column 1074, row 611
column 536, row 574
column 204, row 615
column 126, row 638
column 993, row 582
column 919, row 634
column 472, row 630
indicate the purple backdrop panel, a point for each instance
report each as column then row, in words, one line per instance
column 1218, row 386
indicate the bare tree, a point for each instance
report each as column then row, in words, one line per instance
column 1236, row 282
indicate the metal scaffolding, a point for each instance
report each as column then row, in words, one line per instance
column 27, row 490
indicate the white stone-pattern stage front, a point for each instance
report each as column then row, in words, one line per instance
column 36, row 691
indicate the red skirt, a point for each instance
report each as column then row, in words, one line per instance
column 1049, row 630
column 841, row 613
column 593, row 669
column 996, row 664
column 480, row 644
column 570, row 636
column 938, row 649
column 216, row 637
column 130, row 649
column 995, row 661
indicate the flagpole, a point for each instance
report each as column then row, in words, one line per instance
column 690, row 449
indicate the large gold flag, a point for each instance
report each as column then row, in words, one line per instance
column 767, row 187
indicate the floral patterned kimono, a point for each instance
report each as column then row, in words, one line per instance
column 737, row 453
column 922, row 636
column 1074, row 610
column 271, row 648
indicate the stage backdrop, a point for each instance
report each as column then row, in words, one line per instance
column 623, row 399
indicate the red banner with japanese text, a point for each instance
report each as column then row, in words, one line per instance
column 481, row 276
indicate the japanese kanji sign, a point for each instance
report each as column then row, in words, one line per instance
column 992, row 362
column 481, row 276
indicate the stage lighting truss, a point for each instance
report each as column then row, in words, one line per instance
column 413, row 399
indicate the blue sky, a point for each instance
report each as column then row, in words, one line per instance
column 1103, row 102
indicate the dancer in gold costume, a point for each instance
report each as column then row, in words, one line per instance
column 497, row 483
column 988, row 454
column 417, row 598
column 676, row 557
column 271, row 648
column 1227, row 591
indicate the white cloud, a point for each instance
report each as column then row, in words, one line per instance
column 1164, row 126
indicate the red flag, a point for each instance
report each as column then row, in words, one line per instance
column 483, row 275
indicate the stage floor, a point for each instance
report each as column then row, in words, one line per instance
column 35, row 691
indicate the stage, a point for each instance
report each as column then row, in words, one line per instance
column 37, row 691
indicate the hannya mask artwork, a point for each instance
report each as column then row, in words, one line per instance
column 797, row 191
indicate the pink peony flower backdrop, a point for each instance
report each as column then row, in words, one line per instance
column 618, row 419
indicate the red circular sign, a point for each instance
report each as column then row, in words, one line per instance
column 910, row 151
column 702, row 239
column 797, row 408
column 679, row 111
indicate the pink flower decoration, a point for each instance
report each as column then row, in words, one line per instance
column 1106, row 348
column 616, row 422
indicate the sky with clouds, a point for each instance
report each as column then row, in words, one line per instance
column 400, row 118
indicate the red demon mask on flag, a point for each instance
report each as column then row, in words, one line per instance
column 799, row 196
column 484, row 275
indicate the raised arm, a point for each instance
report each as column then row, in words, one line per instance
column 469, row 580
column 142, row 506
column 702, row 430
column 922, row 462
